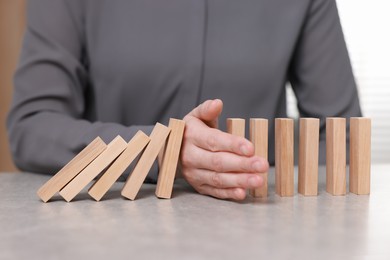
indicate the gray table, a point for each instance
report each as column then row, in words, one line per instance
column 192, row 226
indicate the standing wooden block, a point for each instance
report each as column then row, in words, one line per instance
column 360, row 155
column 236, row 126
column 114, row 149
column 309, row 131
column 284, row 157
column 71, row 169
column 104, row 183
column 170, row 160
column 258, row 135
column 335, row 156
column 134, row 181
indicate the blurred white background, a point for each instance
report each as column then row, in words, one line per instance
column 366, row 25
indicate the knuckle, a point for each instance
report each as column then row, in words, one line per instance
column 211, row 143
column 216, row 179
column 188, row 133
column 201, row 190
column 185, row 159
column 217, row 163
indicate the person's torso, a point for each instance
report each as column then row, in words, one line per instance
column 160, row 59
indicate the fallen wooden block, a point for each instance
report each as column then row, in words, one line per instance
column 309, row 130
column 71, row 169
column 336, row 156
column 258, row 135
column 137, row 177
column 105, row 182
column 284, row 157
column 360, row 155
column 114, row 149
column 170, row 160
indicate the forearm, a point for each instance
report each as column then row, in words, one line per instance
column 46, row 141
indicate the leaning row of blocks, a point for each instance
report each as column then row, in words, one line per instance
column 117, row 156
column 114, row 159
column 360, row 154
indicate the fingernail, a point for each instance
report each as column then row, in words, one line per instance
column 257, row 166
column 254, row 181
column 244, row 149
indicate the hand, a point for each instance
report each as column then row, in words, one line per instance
column 217, row 163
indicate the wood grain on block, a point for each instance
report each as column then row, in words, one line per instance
column 137, row 177
column 360, row 155
column 336, row 156
column 284, row 157
column 71, row 169
column 114, row 149
column 167, row 172
column 111, row 175
column 309, row 129
column 258, row 135
column 236, row 126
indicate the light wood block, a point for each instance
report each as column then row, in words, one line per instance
column 111, row 175
column 336, row 156
column 284, row 157
column 71, row 169
column 236, row 126
column 137, row 177
column 309, row 131
column 114, row 149
column 258, row 135
column 360, row 155
column 167, row 173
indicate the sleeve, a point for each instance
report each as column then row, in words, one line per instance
column 45, row 124
column 320, row 72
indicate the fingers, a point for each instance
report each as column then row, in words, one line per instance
column 223, row 161
column 232, row 193
column 222, row 185
column 208, row 112
column 215, row 140
column 229, row 180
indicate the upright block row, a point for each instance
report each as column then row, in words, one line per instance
column 360, row 154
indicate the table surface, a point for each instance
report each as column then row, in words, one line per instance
column 193, row 226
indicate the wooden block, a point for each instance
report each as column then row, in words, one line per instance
column 114, row 149
column 137, row 177
column 236, row 126
column 167, row 172
column 284, row 157
column 133, row 149
column 335, row 156
column 309, row 131
column 71, row 169
column 360, row 155
column 258, row 135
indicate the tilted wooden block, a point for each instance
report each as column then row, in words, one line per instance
column 336, row 156
column 309, row 129
column 114, row 149
column 360, row 155
column 284, row 157
column 104, row 183
column 170, row 160
column 236, row 126
column 137, row 177
column 258, row 135
column 71, row 169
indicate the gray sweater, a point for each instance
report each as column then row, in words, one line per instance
column 107, row 68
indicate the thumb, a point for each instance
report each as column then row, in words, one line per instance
column 208, row 112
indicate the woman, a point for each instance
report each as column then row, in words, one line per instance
column 103, row 68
